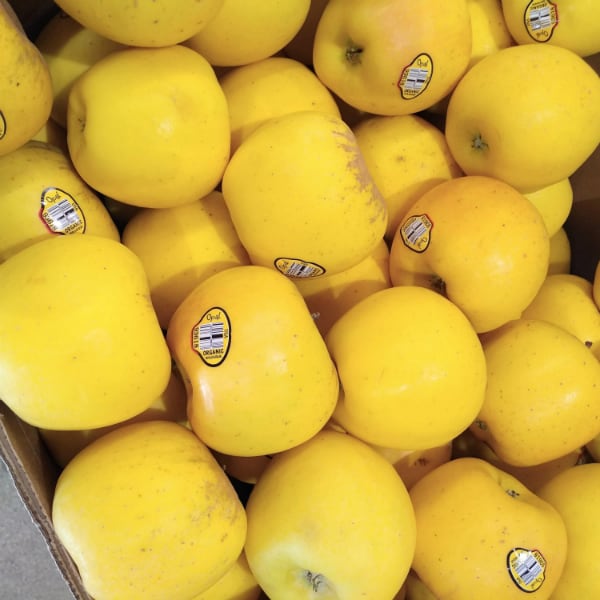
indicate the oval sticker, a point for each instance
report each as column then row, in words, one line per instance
column 541, row 18
column 416, row 76
column 211, row 336
column 60, row 212
column 297, row 268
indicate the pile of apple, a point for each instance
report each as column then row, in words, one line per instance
column 287, row 293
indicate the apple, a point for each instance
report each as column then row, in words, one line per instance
column 541, row 400
column 572, row 24
column 478, row 241
column 392, row 57
column 411, row 369
column 330, row 518
column 482, row 534
column 495, row 125
column 575, row 494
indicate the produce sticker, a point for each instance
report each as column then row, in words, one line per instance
column 541, row 18
column 60, row 212
column 211, row 336
column 296, row 268
column 527, row 568
column 416, row 232
column 416, row 76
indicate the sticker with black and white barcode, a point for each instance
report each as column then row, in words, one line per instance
column 297, row 268
column 60, row 212
column 527, row 568
column 541, row 18
column 416, row 76
column 415, row 232
column 211, row 336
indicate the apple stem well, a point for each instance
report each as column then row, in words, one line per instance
column 353, row 53
column 478, row 143
column 317, row 581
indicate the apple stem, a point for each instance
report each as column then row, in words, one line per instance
column 353, row 53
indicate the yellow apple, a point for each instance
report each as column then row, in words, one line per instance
column 54, row 135
column 182, row 245
column 269, row 88
column 243, row 468
column 148, row 24
column 82, row 344
column 575, row 494
column 330, row 518
column 43, row 196
column 301, row 197
column 560, row 253
column 554, row 202
column 392, row 57
column 482, row 534
column 596, row 284
column 69, row 49
column 257, row 371
column 149, row 126
column 489, row 34
column 567, row 300
column 477, row 240
column 146, row 513
column 541, row 399
column 328, row 298
column 406, row 156
column 171, row 405
column 532, row 476
column 494, row 125
column 244, row 32
column 399, row 344
column 488, row 27
column 238, row 583
column 26, row 85
column 416, row 589
column 411, row 465
column 572, row 24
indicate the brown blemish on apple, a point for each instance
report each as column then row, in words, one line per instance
column 357, row 164
column 353, row 53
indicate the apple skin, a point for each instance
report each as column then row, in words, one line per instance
column 397, row 56
column 330, row 519
column 472, row 520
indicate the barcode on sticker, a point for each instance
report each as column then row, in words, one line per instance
column 210, row 336
column 528, row 568
column 541, row 18
column 62, row 215
column 301, row 270
column 414, row 231
column 416, row 79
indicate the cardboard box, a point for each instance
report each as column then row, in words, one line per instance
column 33, row 470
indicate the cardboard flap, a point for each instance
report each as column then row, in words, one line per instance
column 34, row 475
